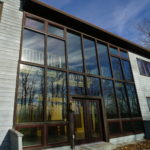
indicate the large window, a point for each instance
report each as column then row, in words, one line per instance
column 144, row 67
column 57, row 64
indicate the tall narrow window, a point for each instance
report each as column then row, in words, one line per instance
column 104, row 60
column 75, row 61
column 90, row 56
column 117, row 71
column 30, row 94
column 56, row 52
column 33, row 47
column 122, row 100
column 56, row 96
column 127, row 70
column 109, row 98
column 133, row 101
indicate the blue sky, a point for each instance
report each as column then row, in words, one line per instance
column 120, row 17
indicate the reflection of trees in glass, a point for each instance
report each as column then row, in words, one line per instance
column 56, row 95
column 76, row 84
column 104, row 60
column 93, row 86
column 116, row 68
column 122, row 99
column 109, row 98
column 135, row 110
column 30, row 94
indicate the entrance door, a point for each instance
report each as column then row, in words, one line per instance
column 88, row 126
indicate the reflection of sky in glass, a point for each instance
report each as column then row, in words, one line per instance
column 56, row 95
column 127, row 70
column 90, row 56
column 133, row 100
column 93, row 86
column 55, row 30
column 74, row 52
column 116, row 65
column 122, row 99
column 56, row 52
column 34, row 24
column 124, row 54
column 104, row 60
column 109, row 98
column 30, row 94
column 76, row 84
column 33, row 47
column 113, row 51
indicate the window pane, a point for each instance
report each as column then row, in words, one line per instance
column 31, row 136
column 148, row 102
column 127, row 70
column 116, row 66
column 55, row 30
column 33, row 47
column 56, row 52
column 114, row 51
column 109, row 98
column 30, row 94
column 133, row 101
column 127, row 126
column 122, row 100
column 79, row 120
column 57, row 134
column 90, row 57
column 144, row 67
column 104, row 60
column 114, row 128
column 76, row 84
column 36, row 24
column 124, row 54
column 56, row 95
column 93, row 113
column 75, row 61
column 1, row 7
column 93, row 86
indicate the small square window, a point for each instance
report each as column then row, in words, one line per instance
column 148, row 102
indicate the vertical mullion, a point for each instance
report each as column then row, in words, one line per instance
column 67, row 87
column 98, row 64
column 84, row 63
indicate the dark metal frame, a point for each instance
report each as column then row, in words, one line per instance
column 106, row 135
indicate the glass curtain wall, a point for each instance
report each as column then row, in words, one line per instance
column 57, row 63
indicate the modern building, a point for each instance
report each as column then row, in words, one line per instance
column 60, row 74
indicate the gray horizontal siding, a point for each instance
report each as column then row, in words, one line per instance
column 10, row 33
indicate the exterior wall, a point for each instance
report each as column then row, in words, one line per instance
column 10, row 32
column 142, row 85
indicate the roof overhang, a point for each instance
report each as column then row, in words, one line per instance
column 45, row 11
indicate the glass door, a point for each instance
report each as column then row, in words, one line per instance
column 88, row 125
